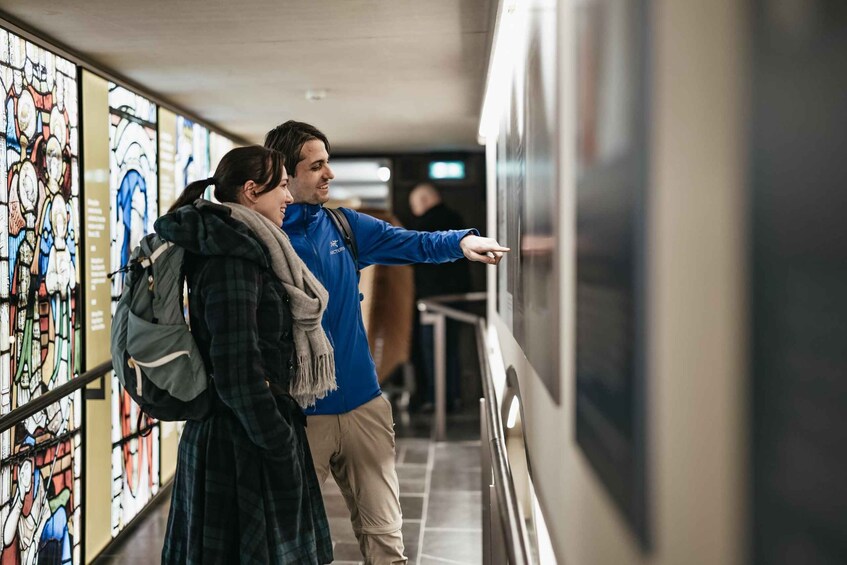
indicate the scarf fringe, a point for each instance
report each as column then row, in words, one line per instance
column 314, row 379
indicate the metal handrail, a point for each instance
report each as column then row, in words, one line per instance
column 515, row 536
column 434, row 310
column 38, row 404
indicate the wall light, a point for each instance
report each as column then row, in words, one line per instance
column 509, row 40
column 313, row 95
column 514, row 410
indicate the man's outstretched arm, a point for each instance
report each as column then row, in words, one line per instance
column 381, row 243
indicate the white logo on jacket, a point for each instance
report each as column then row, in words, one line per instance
column 334, row 249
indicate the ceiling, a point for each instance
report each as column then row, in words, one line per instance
column 399, row 75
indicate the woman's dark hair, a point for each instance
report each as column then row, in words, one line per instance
column 288, row 139
column 254, row 162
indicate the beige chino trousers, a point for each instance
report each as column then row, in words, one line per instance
column 358, row 448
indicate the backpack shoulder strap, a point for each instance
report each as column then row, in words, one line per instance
column 342, row 224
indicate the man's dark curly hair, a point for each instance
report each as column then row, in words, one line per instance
column 289, row 138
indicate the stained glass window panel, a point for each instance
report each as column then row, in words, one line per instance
column 39, row 293
column 192, row 153
column 134, row 208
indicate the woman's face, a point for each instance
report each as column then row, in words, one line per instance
column 272, row 203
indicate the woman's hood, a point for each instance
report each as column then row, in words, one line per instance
column 208, row 229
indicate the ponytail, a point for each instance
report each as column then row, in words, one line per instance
column 265, row 167
column 191, row 193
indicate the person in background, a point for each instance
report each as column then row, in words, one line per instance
column 351, row 431
column 245, row 489
column 431, row 214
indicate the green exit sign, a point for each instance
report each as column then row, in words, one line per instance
column 440, row 170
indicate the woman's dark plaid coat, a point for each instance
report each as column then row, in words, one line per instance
column 245, row 489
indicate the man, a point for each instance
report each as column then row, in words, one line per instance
column 431, row 214
column 351, row 431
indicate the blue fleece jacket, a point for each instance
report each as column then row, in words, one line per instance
column 322, row 248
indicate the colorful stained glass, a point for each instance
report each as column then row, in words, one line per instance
column 218, row 147
column 39, row 292
column 192, row 153
column 135, row 469
column 134, row 208
column 41, row 521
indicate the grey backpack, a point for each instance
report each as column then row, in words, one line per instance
column 153, row 352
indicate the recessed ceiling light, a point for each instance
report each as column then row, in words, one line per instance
column 315, row 95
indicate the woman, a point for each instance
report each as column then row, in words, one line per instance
column 245, row 488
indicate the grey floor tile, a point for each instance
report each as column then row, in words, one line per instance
column 416, row 451
column 457, row 456
column 411, row 553
column 341, row 530
column 107, row 560
column 329, row 487
column 335, row 506
column 412, row 479
column 415, row 472
column 469, row 480
column 460, row 510
column 412, row 507
column 399, row 453
column 411, row 531
column 453, row 546
column 344, row 551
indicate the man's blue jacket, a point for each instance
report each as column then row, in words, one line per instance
column 322, row 248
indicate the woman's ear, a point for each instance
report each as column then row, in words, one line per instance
column 249, row 191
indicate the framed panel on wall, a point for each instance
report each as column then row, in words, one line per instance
column 528, row 197
column 611, row 151
column 133, row 183
column 40, row 475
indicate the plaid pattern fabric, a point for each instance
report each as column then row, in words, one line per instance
column 245, row 489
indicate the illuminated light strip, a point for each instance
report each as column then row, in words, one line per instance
column 508, row 32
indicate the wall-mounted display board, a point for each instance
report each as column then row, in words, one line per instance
column 133, row 185
column 96, row 243
column 798, row 274
column 611, row 184
column 528, row 196
column 40, row 486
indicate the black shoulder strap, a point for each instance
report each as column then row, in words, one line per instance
column 343, row 226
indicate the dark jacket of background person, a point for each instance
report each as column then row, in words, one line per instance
column 245, row 489
column 443, row 278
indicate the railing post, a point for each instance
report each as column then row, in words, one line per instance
column 439, row 337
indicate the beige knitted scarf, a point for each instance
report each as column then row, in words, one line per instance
column 315, row 374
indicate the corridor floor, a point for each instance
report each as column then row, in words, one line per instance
column 439, row 495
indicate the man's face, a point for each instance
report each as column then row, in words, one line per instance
column 417, row 203
column 311, row 183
